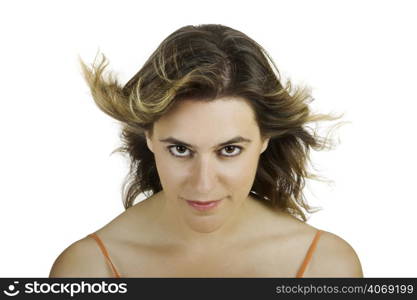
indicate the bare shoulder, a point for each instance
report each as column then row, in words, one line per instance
column 81, row 259
column 334, row 257
column 84, row 258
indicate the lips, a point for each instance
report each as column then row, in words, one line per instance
column 203, row 205
column 202, row 202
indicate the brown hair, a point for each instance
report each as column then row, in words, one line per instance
column 207, row 62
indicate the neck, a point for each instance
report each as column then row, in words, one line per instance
column 204, row 233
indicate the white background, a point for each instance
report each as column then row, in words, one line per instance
column 59, row 182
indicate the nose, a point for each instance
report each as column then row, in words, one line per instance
column 203, row 177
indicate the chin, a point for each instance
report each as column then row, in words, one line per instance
column 205, row 228
column 205, row 223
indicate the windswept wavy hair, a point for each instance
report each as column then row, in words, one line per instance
column 207, row 62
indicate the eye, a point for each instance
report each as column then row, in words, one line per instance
column 231, row 150
column 183, row 152
column 179, row 150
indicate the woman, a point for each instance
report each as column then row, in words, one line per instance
column 220, row 148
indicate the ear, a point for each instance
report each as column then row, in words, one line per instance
column 149, row 141
column 265, row 144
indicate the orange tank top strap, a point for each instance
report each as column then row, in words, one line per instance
column 309, row 255
column 105, row 254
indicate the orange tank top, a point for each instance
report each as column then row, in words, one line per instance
column 300, row 273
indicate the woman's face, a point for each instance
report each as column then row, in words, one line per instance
column 197, row 159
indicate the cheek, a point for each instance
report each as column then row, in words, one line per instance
column 241, row 173
column 171, row 173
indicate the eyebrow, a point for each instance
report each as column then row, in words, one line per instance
column 237, row 139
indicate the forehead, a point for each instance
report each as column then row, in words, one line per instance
column 223, row 116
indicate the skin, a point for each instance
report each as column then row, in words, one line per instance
column 205, row 171
column 162, row 236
